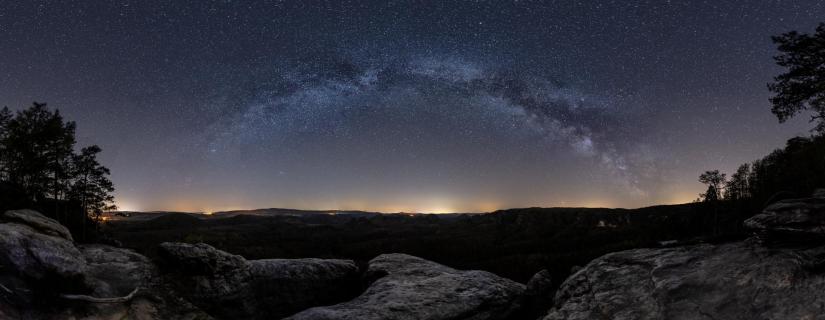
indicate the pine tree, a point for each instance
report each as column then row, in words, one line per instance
column 802, row 87
column 714, row 180
column 5, row 117
column 737, row 187
column 91, row 187
column 36, row 147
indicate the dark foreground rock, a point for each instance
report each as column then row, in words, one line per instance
column 44, row 275
column 792, row 220
column 38, row 222
column 538, row 294
column 413, row 288
column 732, row 281
column 229, row 286
column 741, row 280
column 39, row 258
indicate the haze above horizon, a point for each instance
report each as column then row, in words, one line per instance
column 398, row 107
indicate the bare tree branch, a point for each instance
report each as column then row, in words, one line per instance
column 86, row 298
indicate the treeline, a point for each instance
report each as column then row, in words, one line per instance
column 793, row 171
column 799, row 168
column 41, row 168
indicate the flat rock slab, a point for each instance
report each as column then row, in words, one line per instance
column 413, row 288
column 731, row 281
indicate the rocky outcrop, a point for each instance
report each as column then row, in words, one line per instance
column 732, row 281
column 38, row 222
column 540, row 285
column 408, row 287
column 538, row 294
column 39, row 259
column 740, row 280
column 117, row 272
column 229, row 286
column 44, row 275
column 793, row 220
column 286, row 286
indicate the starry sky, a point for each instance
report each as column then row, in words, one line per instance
column 416, row 106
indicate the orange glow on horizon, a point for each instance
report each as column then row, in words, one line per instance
column 427, row 204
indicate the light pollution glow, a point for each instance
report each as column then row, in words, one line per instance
column 391, row 106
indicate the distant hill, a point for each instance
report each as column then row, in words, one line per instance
column 515, row 243
column 293, row 212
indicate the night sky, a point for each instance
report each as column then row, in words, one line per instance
column 405, row 106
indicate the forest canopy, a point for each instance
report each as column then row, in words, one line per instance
column 39, row 164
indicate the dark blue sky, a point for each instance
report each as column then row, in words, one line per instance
column 405, row 106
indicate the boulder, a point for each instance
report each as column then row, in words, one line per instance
column 44, row 275
column 39, row 222
column 740, row 280
column 116, row 272
column 538, row 295
column 540, row 284
column 229, row 286
column 286, row 286
column 214, row 280
column 41, row 258
column 792, row 220
column 408, row 287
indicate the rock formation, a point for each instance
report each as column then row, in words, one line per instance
column 792, row 220
column 408, row 287
column 229, row 286
column 740, row 280
column 778, row 275
column 44, row 275
column 538, row 294
column 39, row 222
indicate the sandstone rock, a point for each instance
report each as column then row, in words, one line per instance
column 538, row 295
column 35, row 256
column 228, row 286
column 214, row 280
column 286, row 286
column 40, row 266
column 39, row 222
column 731, row 281
column 34, row 266
column 798, row 220
column 540, row 284
column 414, row 288
column 200, row 258
column 116, row 272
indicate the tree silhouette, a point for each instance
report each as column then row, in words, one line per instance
column 36, row 145
column 737, row 187
column 714, row 180
column 91, row 186
column 802, row 87
column 5, row 117
column 38, row 161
